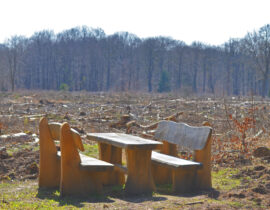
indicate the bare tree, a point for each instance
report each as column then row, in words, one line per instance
column 14, row 51
column 149, row 54
column 83, row 58
column 257, row 45
column 2, row 68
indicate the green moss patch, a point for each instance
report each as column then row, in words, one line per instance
column 224, row 179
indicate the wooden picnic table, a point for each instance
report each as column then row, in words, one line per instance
column 138, row 152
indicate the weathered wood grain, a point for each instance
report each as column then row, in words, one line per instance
column 112, row 155
column 182, row 134
column 121, row 168
column 139, row 179
column 173, row 162
column 77, row 175
column 123, row 140
column 55, row 132
column 93, row 164
column 49, row 163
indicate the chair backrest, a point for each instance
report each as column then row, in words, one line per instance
column 192, row 137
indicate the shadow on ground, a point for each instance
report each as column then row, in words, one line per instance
column 167, row 190
column 71, row 200
column 117, row 192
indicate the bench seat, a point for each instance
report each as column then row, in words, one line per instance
column 92, row 164
column 173, row 162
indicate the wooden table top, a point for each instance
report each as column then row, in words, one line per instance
column 123, row 140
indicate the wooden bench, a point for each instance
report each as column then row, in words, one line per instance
column 49, row 163
column 185, row 175
column 80, row 174
column 74, row 173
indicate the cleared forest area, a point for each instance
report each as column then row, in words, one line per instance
column 240, row 148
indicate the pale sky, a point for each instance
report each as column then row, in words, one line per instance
column 209, row 21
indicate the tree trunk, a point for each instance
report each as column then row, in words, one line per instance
column 264, row 82
column 149, row 75
column 108, row 79
column 204, row 75
column 149, row 79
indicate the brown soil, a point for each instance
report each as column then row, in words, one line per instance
column 21, row 165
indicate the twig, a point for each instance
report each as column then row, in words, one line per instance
column 226, row 110
column 129, row 124
column 252, row 108
column 193, row 203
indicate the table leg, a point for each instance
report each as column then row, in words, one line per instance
column 139, row 178
column 112, row 155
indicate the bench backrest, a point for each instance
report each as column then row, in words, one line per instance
column 194, row 138
column 55, row 133
column 69, row 149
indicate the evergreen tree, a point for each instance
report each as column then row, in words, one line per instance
column 164, row 82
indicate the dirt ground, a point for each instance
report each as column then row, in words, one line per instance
column 240, row 131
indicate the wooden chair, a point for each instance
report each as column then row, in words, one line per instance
column 80, row 174
column 185, row 175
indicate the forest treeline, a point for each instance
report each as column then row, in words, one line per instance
column 83, row 58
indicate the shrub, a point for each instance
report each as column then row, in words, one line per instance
column 64, row 87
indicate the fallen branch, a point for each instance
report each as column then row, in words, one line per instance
column 258, row 134
column 193, row 203
column 174, row 116
column 126, row 122
column 122, row 122
column 15, row 137
column 153, row 125
column 146, row 136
